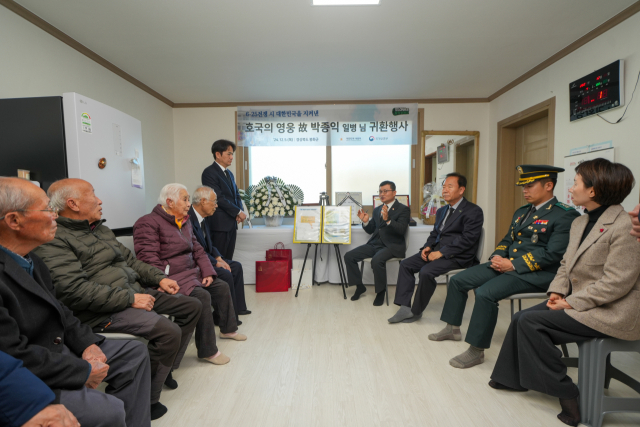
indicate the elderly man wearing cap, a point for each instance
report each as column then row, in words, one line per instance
column 526, row 260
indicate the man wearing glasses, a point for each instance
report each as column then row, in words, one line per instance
column 110, row 290
column 204, row 203
column 387, row 226
column 42, row 332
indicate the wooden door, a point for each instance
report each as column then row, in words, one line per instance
column 532, row 148
column 465, row 163
column 429, row 169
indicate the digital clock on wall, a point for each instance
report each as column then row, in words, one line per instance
column 599, row 91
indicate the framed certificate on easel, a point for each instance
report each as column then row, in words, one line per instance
column 336, row 225
column 307, row 224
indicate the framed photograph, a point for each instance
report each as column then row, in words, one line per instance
column 336, row 225
column 307, row 224
column 402, row 198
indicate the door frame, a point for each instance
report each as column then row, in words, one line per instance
column 506, row 162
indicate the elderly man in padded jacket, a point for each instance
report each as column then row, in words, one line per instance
column 41, row 332
column 104, row 284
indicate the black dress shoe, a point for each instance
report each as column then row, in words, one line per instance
column 243, row 312
column 170, row 382
column 238, row 322
column 157, row 410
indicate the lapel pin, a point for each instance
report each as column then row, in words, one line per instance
column 601, row 230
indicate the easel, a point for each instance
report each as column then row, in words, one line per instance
column 341, row 270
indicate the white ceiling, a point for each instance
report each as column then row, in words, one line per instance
column 287, row 50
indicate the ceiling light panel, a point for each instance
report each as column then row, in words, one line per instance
column 345, row 2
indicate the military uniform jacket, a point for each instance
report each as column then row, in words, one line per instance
column 536, row 246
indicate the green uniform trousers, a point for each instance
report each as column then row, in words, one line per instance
column 490, row 287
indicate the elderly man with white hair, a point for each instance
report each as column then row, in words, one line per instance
column 110, row 290
column 43, row 333
column 164, row 238
column 204, row 203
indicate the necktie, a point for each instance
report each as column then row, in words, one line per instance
column 449, row 212
column 226, row 173
column 532, row 210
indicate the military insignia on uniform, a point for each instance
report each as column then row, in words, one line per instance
column 543, row 230
column 549, row 207
column 518, row 220
column 541, row 222
column 519, row 169
column 534, row 238
column 530, row 228
column 564, row 206
column 513, row 237
column 535, row 217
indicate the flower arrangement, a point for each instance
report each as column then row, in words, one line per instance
column 272, row 197
column 432, row 195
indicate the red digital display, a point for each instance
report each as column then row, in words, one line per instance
column 597, row 96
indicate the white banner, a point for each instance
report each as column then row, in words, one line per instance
column 372, row 124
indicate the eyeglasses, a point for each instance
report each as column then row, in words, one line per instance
column 50, row 209
column 384, row 191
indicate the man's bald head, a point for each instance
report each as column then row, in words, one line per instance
column 76, row 199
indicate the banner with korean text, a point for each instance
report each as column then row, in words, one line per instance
column 359, row 124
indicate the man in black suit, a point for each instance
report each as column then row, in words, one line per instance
column 387, row 226
column 452, row 244
column 41, row 332
column 204, row 203
column 223, row 224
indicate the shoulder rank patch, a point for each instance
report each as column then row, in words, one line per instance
column 564, row 206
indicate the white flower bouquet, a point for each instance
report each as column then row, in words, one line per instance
column 272, row 197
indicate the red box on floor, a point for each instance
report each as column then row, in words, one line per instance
column 272, row 276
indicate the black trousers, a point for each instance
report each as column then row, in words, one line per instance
column 529, row 358
column 225, row 242
column 168, row 340
column 235, row 280
column 379, row 256
column 429, row 270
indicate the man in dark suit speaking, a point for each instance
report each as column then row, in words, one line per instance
column 387, row 226
column 452, row 244
column 223, row 224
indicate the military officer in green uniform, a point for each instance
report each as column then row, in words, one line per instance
column 526, row 260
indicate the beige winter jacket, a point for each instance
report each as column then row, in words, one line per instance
column 601, row 276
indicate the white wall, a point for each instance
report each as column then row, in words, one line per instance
column 33, row 64
column 195, row 130
column 620, row 42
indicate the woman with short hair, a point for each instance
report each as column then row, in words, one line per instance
column 164, row 238
column 595, row 294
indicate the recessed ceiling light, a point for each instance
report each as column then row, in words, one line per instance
column 344, row 2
